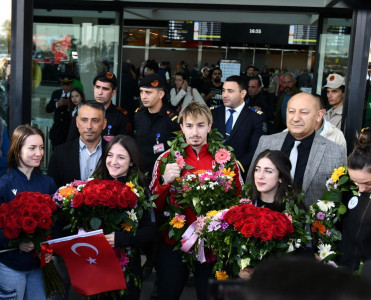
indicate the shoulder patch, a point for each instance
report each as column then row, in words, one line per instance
column 259, row 112
column 124, row 111
column 215, row 106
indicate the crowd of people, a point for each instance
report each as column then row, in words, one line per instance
column 283, row 140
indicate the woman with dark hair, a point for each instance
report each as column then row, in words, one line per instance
column 272, row 180
column 271, row 183
column 355, row 245
column 121, row 161
column 20, row 271
column 182, row 94
column 76, row 98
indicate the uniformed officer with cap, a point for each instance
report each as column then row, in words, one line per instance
column 59, row 104
column 154, row 123
column 118, row 121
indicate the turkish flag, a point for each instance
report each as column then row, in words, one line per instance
column 91, row 262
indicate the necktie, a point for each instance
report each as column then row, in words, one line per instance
column 294, row 158
column 228, row 125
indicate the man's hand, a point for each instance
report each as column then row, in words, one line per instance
column 172, row 171
column 63, row 102
column 184, row 85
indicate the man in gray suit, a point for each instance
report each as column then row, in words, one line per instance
column 317, row 157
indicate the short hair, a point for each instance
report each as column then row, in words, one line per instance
column 216, row 69
column 153, row 65
column 183, row 75
column 195, row 109
column 106, row 77
column 257, row 78
column 289, row 75
column 239, row 80
column 94, row 104
column 131, row 147
column 20, row 134
column 321, row 101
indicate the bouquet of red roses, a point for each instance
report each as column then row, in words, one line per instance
column 28, row 218
column 105, row 204
column 244, row 234
column 109, row 205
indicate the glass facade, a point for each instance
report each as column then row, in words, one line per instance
column 81, row 50
column 333, row 49
column 5, row 39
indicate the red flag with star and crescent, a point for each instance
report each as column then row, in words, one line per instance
column 91, row 262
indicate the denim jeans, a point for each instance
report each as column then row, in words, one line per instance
column 19, row 285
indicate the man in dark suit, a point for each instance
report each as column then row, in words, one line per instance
column 316, row 156
column 118, row 121
column 59, row 104
column 247, row 125
column 78, row 158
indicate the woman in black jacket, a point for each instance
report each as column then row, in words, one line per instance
column 121, row 161
column 355, row 245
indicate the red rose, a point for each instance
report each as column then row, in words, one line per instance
column 258, row 230
column 11, row 232
column 16, row 221
column 266, row 234
column 91, row 199
column 45, row 210
column 279, row 230
column 45, row 222
column 29, row 224
column 78, row 200
column 249, row 227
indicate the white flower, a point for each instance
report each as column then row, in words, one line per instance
column 325, row 205
column 133, row 215
column 325, row 250
column 291, row 248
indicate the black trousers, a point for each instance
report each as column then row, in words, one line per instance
column 172, row 275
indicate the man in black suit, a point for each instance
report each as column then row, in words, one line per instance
column 78, row 158
column 240, row 124
column 59, row 104
column 118, row 121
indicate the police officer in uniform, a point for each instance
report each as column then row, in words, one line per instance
column 118, row 121
column 59, row 104
column 154, row 126
column 241, row 125
column 154, row 123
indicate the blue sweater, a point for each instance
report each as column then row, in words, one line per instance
column 15, row 180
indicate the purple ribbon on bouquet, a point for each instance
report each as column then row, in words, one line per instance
column 191, row 235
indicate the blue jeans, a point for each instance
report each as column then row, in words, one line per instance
column 19, row 285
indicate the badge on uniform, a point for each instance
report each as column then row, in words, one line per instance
column 159, row 147
column 108, row 137
column 353, row 202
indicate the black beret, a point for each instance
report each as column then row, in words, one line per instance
column 106, row 77
column 152, row 81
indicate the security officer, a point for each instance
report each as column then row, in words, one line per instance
column 240, row 124
column 118, row 121
column 59, row 104
column 154, row 123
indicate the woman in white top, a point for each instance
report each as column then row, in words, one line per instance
column 182, row 94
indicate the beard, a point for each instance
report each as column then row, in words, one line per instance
column 217, row 80
column 288, row 90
